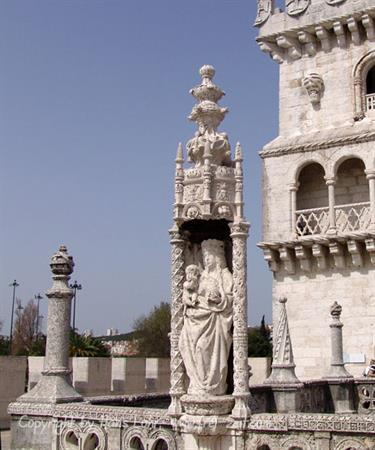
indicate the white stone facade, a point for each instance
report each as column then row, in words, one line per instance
column 318, row 181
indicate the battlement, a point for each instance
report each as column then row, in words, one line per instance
column 307, row 27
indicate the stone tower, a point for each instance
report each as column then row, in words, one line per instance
column 319, row 175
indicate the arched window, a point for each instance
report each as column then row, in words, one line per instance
column 160, row 445
column 370, row 89
column 264, row 447
column 136, row 444
column 370, row 81
column 312, row 201
column 352, row 197
column 91, row 442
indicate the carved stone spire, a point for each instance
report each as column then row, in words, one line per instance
column 283, row 362
column 208, row 115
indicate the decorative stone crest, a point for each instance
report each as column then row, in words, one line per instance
column 264, row 10
column 314, row 85
column 295, row 7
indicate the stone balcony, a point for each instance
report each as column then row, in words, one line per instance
column 317, row 246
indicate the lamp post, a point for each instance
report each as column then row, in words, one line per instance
column 75, row 287
column 37, row 297
column 15, row 285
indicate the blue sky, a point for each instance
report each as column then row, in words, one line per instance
column 94, row 100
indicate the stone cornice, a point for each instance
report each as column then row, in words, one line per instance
column 281, row 22
column 272, row 150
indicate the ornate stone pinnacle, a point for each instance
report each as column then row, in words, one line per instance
column 238, row 152
column 180, row 154
column 207, row 112
column 61, row 262
column 208, row 115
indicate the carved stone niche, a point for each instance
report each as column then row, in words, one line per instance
column 314, row 85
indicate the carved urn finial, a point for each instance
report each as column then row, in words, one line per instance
column 336, row 310
column 208, row 115
column 61, row 262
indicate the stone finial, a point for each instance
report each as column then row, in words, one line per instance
column 238, row 152
column 208, row 115
column 179, row 154
column 314, row 85
column 61, row 262
column 336, row 310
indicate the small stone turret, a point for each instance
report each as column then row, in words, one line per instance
column 55, row 385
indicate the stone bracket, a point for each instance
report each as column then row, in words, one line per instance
column 287, row 256
column 303, row 254
column 355, row 250
column 337, row 251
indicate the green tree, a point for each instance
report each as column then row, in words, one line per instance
column 259, row 341
column 82, row 345
column 152, row 332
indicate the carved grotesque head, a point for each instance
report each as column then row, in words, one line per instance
column 314, row 85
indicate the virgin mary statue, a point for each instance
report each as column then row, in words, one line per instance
column 206, row 338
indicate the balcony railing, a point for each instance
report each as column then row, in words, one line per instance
column 312, row 221
column 370, row 102
column 351, row 217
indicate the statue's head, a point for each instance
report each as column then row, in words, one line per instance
column 213, row 253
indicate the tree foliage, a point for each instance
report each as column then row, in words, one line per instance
column 152, row 332
column 25, row 328
column 86, row 346
column 259, row 341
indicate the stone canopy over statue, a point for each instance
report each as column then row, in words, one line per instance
column 209, row 302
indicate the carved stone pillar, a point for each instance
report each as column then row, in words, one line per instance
column 358, row 99
column 293, row 188
column 370, row 174
column 177, row 367
column 241, row 393
column 331, row 203
column 54, row 385
column 337, row 360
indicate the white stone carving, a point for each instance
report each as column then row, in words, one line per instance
column 206, row 338
column 264, row 10
column 295, row 7
column 314, row 85
column 283, row 362
column 208, row 115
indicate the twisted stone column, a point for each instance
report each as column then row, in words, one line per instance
column 54, row 385
column 177, row 367
column 241, row 393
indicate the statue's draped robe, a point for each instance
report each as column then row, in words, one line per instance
column 206, row 338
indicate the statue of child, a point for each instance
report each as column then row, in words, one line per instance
column 190, row 292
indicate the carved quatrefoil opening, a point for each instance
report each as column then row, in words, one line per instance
column 367, row 398
column 91, row 442
column 160, row 444
column 71, row 441
column 136, row 444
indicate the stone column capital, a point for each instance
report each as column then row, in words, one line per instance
column 330, row 180
column 293, row 187
column 370, row 174
column 239, row 230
